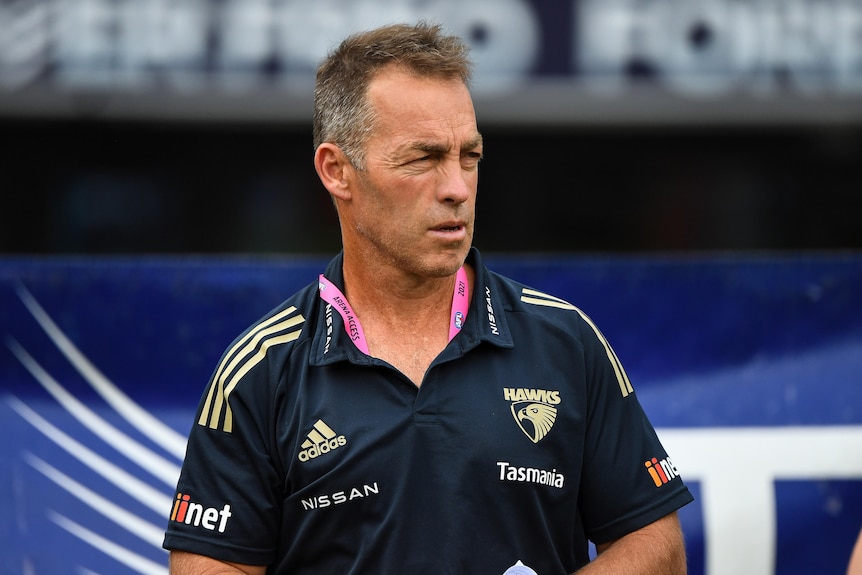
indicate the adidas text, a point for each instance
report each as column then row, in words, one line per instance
column 322, row 448
column 321, row 440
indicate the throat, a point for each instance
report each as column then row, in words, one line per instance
column 409, row 353
column 406, row 333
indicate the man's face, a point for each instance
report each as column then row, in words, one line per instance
column 414, row 205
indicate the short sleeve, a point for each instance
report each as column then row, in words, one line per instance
column 622, row 454
column 229, row 494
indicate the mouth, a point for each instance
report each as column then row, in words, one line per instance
column 449, row 227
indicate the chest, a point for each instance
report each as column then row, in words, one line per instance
column 477, row 418
column 489, row 446
column 412, row 356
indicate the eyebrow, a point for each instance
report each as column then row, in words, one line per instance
column 474, row 143
column 435, row 148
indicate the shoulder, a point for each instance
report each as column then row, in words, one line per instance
column 513, row 306
column 527, row 303
column 551, row 325
column 271, row 339
column 244, row 372
column 286, row 323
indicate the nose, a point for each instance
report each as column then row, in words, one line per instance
column 456, row 185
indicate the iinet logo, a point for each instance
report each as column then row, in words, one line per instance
column 661, row 471
column 196, row 514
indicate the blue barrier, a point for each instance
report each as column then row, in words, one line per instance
column 749, row 366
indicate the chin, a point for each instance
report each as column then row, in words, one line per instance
column 448, row 265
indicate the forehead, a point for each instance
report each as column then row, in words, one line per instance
column 407, row 106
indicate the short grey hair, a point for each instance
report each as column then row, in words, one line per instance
column 342, row 113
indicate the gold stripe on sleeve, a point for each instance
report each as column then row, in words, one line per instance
column 538, row 298
column 239, row 353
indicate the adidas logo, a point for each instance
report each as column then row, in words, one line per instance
column 321, row 440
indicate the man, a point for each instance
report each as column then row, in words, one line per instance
column 412, row 412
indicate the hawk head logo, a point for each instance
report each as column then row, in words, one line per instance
column 535, row 419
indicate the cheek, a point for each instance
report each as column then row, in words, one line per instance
column 388, row 209
column 387, row 215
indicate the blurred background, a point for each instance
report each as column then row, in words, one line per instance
column 151, row 126
column 686, row 171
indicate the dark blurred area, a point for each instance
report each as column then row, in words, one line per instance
column 611, row 126
column 99, row 187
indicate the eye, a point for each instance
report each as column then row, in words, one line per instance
column 470, row 160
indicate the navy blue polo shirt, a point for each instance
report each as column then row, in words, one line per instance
column 524, row 440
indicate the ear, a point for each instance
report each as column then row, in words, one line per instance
column 334, row 170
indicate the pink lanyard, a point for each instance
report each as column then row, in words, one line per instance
column 333, row 296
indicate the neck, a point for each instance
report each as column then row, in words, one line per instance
column 397, row 296
column 403, row 319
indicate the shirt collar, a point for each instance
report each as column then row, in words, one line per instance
column 486, row 320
